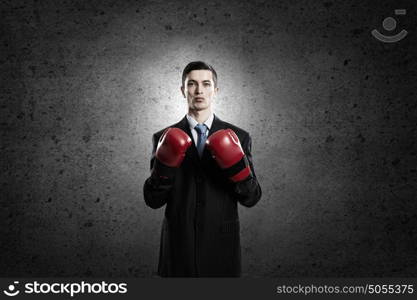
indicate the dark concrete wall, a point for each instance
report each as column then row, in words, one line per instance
column 331, row 110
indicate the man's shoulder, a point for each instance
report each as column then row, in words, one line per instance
column 240, row 132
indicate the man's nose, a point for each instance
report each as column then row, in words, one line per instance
column 197, row 89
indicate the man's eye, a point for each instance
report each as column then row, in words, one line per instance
column 207, row 84
column 190, row 84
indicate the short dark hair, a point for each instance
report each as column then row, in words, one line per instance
column 198, row 65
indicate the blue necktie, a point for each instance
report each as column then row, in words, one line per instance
column 201, row 130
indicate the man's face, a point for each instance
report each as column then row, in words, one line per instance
column 199, row 89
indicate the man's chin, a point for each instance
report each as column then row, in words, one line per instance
column 200, row 107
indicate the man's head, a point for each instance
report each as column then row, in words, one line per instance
column 199, row 85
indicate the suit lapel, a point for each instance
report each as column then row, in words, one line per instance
column 216, row 125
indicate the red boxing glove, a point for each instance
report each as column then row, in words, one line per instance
column 172, row 147
column 226, row 150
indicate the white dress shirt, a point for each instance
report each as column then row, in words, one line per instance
column 192, row 122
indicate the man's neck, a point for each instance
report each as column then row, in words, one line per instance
column 200, row 116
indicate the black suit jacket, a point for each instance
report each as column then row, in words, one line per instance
column 200, row 231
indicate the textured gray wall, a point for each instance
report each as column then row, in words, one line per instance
column 332, row 113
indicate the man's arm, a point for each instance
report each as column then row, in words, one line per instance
column 248, row 192
column 156, row 190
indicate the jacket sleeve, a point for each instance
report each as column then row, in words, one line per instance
column 156, row 190
column 248, row 192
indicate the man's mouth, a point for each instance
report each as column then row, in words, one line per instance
column 199, row 99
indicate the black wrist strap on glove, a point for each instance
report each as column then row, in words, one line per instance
column 236, row 168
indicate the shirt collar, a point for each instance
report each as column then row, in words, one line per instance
column 192, row 122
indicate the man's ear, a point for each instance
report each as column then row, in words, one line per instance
column 183, row 92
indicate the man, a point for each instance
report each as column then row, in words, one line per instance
column 201, row 168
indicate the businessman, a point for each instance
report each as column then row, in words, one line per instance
column 201, row 168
